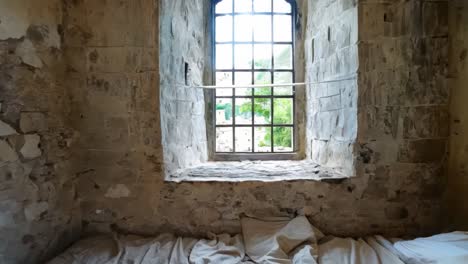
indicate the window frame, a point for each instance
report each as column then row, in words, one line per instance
column 236, row 156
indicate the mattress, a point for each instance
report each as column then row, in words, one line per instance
column 274, row 240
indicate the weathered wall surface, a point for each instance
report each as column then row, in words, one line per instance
column 111, row 48
column 403, row 100
column 183, row 57
column 39, row 213
column 332, row 54
column 457, row 191
column 122, row 185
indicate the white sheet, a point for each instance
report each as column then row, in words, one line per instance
column 450, row 248
column 276, row 240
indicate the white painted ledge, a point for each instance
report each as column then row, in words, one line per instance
column 264, row 171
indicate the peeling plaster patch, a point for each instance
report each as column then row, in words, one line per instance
column 6, row 130
column 28, row 55
column 14, row 21
column 30, row 149
column 117, row 191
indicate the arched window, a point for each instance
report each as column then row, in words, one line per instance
column 253, row 44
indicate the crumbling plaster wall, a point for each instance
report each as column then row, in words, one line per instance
column 39, row 212
column 457, row 191
column 122, row 185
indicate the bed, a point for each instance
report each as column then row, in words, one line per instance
column 274, row 240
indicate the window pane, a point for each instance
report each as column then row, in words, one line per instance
column 283, row 28
column 262, row 56
column 243, row 56
column 262, row 28
column 262, row 78
column 283, row 139
column 223, row 111
column 262, row 5
column 224, row 28
column 243, row 78
column 280, row 78
column 243, row 5
column 224, row 79
column 283, row 56
column 224, row 56
column 243, row 139
column 243, row 28
column 262, row 111
column 281, row 6
column 224, row 6
column 283, row 111
column 262, row 139
column 224, row 139
column 243, row 111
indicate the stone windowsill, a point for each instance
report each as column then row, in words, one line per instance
column 264, row 171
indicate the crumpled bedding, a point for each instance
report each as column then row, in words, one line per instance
column 274, row 240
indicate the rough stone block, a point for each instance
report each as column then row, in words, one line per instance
column 33, row 122
column 30, row 149
column 7, row 154
column 6, row 130
column 423, row 150
column 425, row 122
column 33, row 211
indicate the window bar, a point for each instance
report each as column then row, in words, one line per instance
column 272, row 139
column 252, row 93
column 233, row 82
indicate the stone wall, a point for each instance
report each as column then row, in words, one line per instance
column 456, row 205
column 122, row 182
column 331, row 56
column 403, row 100
column 183, row 59
column 112, row 53
column 39, row 212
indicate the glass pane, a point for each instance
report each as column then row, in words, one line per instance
column 243, row 56
column 224, row 28
column 243, row 111
column 224, row 56
column 262, row 5
column 262, row 138
column 224, row 6
column 281, row 6
column 262, row 111
column 280, row 78
column 243, row 28
column 243, row 139
column 283, row 111
column 262, row 56
column 283, row 28
column 262, row 78
column 224, row 139
column 262, row 28
column 283, row 56
column 283, row 139
column 243, row 78
column 224, row 79
column 243, row 5
column 223, row 111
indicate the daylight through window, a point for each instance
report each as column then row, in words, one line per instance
column 254, row 44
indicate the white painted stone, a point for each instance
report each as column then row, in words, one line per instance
column 33, row 122
column 33, row 211
column 30, row 149
column 28, row 55
column 7, row 154
column 6, row 130
column 117, row 191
